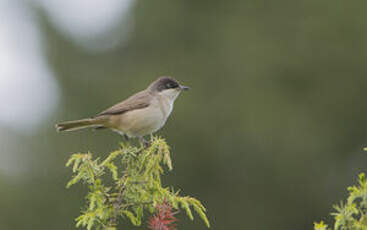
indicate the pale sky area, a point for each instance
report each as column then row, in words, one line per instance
column 89, row 23
column 27, row 84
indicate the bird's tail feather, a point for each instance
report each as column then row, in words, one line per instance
column 78, row 124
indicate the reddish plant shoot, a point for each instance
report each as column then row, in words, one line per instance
column 164, row 218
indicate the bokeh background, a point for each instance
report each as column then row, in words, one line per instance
column 269, row 137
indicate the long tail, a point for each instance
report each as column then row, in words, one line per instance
column 78, row 124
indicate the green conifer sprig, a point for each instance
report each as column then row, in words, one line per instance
column 351, row 215
column 127, row 184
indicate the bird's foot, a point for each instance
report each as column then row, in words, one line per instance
column 146, row 144
column 124, row 138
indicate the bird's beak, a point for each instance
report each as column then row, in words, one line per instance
column 184, row 88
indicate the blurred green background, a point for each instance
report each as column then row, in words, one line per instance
column 269, row 137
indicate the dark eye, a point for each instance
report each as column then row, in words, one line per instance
column 171, row 85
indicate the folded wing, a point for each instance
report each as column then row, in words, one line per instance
column 137, row 101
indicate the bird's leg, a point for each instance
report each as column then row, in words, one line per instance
column 124, row 138
column 145, row 143
column 151, row 137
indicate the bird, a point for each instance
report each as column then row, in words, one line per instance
column 143, row 113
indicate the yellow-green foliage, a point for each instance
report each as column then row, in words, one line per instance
column 134, row 188
column 353, row 214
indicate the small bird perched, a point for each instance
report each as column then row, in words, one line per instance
column 139, row 115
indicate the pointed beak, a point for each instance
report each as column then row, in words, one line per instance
column 184, row 88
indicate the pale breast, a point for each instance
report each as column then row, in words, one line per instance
column 141, row 122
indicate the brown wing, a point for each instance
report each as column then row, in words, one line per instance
column 137, row 101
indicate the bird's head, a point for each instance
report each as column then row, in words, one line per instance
column 168, row 87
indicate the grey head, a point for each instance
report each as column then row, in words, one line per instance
column 166, row 84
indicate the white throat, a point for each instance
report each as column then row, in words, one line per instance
column 168, row 97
